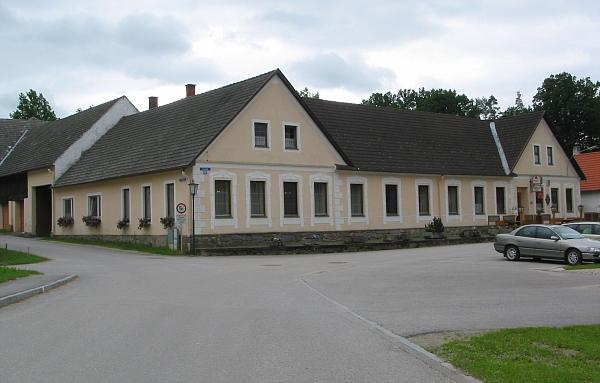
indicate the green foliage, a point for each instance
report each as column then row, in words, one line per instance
column 305, row 93
column 435, row 226
column 14, row 257
column 488, row 107
column 435, row 100
column 572, row 107
column 10, row 273
column 519, row 107
column 33, row 105
column 543, row 354
column 142, row 247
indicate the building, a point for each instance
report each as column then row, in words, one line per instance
column 269, row 163
column 590, row 188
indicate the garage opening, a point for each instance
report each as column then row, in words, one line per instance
column 43, row 210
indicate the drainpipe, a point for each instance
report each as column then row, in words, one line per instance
column 440, row 186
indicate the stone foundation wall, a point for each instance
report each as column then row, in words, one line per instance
column 152, row 240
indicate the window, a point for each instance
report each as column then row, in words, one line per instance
column 291, row 137
column 500, row 201
column 290, row 199
column 222, row 199
column 125, row 203
column 391, row 200
column 536, row 155
column 452, row 200
column 528, row 231
column 94, row 208
column 544, row 233
column 68, row 207
column 261, row 135
column 257, row 199
column 356, row 200
column 479, row 200
column 569, row 194
column 170, row 200
column 550, row 155
column 554, row 198
column 320, row 199
column 424, row 200
column 147, row 202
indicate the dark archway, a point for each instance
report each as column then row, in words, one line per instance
column 43, row 210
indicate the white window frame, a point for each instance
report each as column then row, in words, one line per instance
column 424, row 182
column 165, row 202
column 121, row 200
column 298, row 141
column 224, row 176
column 267, row 220
column 481, row 184
column 88, row 203
column 574, row 212
column 142, row 202
column 458, row 184
column 561, row 196
column 553, row 156
column 63, row 199
column 289, row 177
column 365, row 217
column 269, row 141
column 391, row 181
column 323, row 178
column 505, row 186
column 533, row 154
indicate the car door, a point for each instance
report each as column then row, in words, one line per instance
column 547, row 247
column 525, row 239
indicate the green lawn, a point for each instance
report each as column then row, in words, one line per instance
column 118, row 245
column 14, row 257
column 584, row 266
column 10, row 273
column 529, row 355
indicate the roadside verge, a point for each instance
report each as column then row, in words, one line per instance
column 26, row 287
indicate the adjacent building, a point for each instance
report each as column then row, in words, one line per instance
column 590, row 188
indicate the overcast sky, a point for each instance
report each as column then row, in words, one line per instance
column 80, row 53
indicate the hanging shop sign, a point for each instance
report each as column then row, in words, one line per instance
column 536, row 183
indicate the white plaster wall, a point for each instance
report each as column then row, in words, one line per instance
column 120, row 109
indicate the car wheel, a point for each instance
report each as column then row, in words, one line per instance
column 511, row 253
column 573, row 257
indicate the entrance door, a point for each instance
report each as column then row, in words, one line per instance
column 43, row 211
column 522, row 203
column 21, row 224
column 4, row 221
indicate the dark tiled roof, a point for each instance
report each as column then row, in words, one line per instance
column 393, row 140
column 168, row 137
column 41, row 146
column 11, row 131
column 514, row 133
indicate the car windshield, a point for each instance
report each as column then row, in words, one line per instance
column 567, row 232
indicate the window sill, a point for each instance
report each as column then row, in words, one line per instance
column 259, row 221
column 223, row 217
column 292, row 220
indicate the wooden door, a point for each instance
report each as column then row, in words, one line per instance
column 21, row 224
column 4, row 222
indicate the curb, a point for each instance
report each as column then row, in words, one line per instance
column 20, row 296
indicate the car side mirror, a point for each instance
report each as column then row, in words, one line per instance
column 554, row 238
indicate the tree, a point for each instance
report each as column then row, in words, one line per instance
column 33, row 105
column 434, row 100
column 519, row 107
column 305, row 93
column 572, row 107
column 488, row 107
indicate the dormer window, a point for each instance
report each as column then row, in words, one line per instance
column 261, row 130
column 291, row 137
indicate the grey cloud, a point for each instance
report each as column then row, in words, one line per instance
column 146, row 33
column 329, row 70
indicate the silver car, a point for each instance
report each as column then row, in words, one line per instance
column 587, row 229
column 547, row 241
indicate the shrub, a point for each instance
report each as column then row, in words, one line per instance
column 123, row 223
column 65, row 221
column 167, row 222
column 91, row 221
column 144, row 222
column 435, row 226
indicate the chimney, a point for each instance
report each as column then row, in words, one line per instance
column 190, row 90
column 576, row 150
column 152, row 102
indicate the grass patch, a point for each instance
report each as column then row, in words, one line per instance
column 583, row 266
column 118, row 245
column 529, row 355
column 14, row 257
column 10, row 273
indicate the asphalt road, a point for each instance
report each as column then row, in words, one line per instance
column 134, row 318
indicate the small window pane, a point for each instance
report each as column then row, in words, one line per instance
column 596, row 229
column 222, row 198
column 528, row 231
column 453, row 200
column 68, row 207
column 544, row 233
column 257, row 199
column 320, row 199
column 147, row 202
column 569, row 195
column 554, row 198
column 290, row 199
column 550, row 154
column 500, row 205
column 291, row 137
column 356, row 200
column 479, row 200
column 391, row 200
column 170, row 199
column 94, row 205
column 260, row 134
column 424, row 200
column 126, row 208
column 536, row 154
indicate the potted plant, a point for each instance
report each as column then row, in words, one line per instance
column 436, row 228
column 123, row 223
column 65, row 221
column 167, row 222
column 91, row 221
column 144, row 223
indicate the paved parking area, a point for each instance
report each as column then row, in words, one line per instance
column 301, row 318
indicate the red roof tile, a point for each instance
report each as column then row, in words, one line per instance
column 590, row 164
